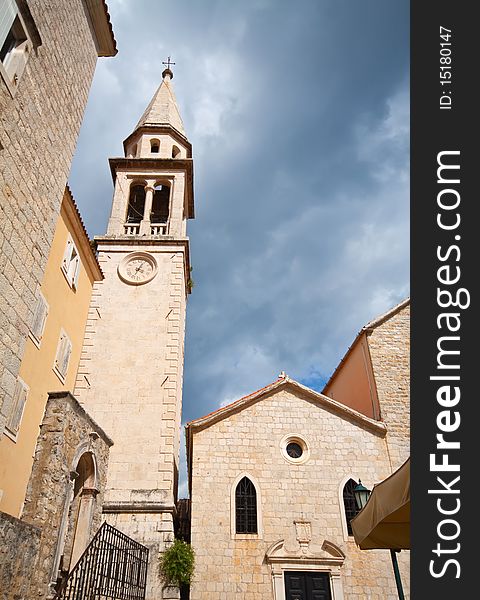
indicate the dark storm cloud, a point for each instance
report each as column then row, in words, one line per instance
column 298, row 116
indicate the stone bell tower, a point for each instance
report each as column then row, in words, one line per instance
column 130, row 375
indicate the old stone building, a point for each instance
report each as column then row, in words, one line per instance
column 52, row 351
column 48, row 52
column 130, row 374
column 53, row 456
column 271, row 479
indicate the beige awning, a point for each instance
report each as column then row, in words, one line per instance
column 384, row 522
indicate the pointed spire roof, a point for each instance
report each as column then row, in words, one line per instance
column 163, row 109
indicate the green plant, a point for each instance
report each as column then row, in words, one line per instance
column 177, row 564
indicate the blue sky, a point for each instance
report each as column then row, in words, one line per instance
column 298, row 114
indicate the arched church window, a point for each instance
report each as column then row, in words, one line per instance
column 245, row 507
column 154, row 146
column 136, row 203
column 160, row 204
column 175, row 151
column 349, row 503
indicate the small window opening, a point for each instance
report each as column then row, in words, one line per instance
column 160, row 204
column 349, row 503
column 245, row 507
column 294, row 450
column 175, row 151
column 136, row 204
column 14, row 43
column 154, row 146
column 16, row 37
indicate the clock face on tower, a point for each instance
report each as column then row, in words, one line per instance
column 137, row 268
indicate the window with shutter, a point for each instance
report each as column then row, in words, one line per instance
column 16, row 412
column 39, row 319
column 71, row 263
column 62, row 357
column 15, row 45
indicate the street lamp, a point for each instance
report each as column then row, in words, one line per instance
column 361, row 494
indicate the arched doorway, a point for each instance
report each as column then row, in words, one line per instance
column 81, row 507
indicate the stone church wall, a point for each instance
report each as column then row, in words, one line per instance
column 389, row 345
column 231, row 566
column 38, row 133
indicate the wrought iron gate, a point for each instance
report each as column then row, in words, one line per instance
column 113, row 566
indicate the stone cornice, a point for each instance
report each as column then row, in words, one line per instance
column 102, row 30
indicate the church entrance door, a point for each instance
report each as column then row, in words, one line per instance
column 307, row 585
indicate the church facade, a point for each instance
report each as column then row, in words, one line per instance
column 271, row 483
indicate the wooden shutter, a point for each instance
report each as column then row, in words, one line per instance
column 19, row 399
column 75, row 267
column 8, row 12
column 67, row 254
column 63, row 354
column 39, row 317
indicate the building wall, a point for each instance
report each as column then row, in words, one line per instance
column 38, row 132
column 228, row 567
column 129, row 377
column 68, row 310
column 389, row 345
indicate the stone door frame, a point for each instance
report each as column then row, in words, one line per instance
column 329, row 561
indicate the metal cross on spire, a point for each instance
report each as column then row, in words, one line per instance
column 167, row 63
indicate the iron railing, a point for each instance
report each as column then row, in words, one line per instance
column 113, row 566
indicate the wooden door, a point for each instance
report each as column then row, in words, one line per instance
column 307, row 585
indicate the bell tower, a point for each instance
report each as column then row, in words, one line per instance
column 131, row 370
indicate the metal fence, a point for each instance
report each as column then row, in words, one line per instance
column 113, row 566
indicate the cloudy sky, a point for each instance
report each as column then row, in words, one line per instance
column 298, row 113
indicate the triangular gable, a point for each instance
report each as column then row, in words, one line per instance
column 321, row 400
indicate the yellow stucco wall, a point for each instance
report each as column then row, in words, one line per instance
column 68, row 309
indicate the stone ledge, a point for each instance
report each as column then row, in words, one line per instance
column 138, row 507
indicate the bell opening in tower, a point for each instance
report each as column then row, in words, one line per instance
column 136, row 204
column 161, row 204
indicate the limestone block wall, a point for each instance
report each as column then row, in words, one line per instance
column 130, row 373
column 67, row 432
column 389, row 346
column 231, row 566
column 19, row 544
column 38, row 132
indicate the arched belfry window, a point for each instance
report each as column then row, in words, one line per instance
column 175, row 151
column 245, row 507
column 160, row 204
column 136, row 203
column 154, row 146
column 349, row 503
